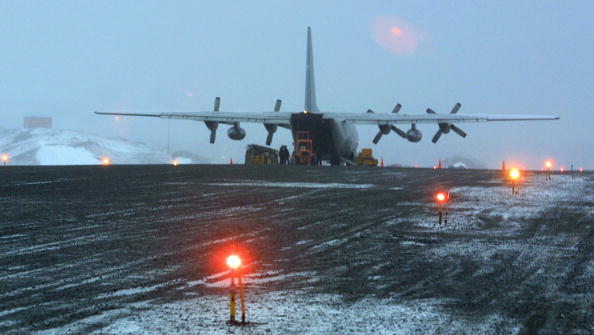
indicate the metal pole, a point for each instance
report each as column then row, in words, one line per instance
column 241, row 298
column 550, row 172
column 439, row 216
column 168, row 134
column 232, row 300
column 446, row 217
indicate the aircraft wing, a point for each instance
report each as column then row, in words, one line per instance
column 276, row 118
column 283, row 118
column 386, row 119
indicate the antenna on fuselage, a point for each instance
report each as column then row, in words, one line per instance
column 310, row 86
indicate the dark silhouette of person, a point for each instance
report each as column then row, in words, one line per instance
column 283, row 154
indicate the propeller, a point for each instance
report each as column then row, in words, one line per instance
column 271, row 128
column 213, row 125
column 384, row 129
column 396, row 108
column 217, row 104
column 444, row 127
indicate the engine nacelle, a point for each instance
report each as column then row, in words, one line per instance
column 211, row 125
column 236, row 133
column 444, row 127
column 271, row 128
column 414, row 135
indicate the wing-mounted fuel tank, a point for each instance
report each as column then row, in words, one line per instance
column 413, row 134
column 236, row 132
column 213, row 125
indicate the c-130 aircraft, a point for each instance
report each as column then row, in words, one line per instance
column 334, row 136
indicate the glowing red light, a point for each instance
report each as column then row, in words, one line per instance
column 440, row 197
column 233, row 262
column 514, row 174
column 548, row 164
column 105, row 161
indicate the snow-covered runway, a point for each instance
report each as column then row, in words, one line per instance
column 140, row 249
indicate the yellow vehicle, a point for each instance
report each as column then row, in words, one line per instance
column 304, row 154
column 259, row 155
column 366, row 158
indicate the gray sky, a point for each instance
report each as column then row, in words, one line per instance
column 67, row 58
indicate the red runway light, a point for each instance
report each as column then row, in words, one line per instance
column 233, row 262
column 548, row 164
column 514, row 174
column 440, row 197
column 105, row 161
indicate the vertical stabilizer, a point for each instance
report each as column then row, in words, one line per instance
column 310, row 86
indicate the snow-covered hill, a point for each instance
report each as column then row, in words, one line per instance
column 458, row 162
column 68, row 147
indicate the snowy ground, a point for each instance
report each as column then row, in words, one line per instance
column 69, row 147
column 283, row 313
column 129, row 250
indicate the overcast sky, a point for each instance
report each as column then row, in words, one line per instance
column 67, row 58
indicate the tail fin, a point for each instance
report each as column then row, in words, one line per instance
column 310, row 86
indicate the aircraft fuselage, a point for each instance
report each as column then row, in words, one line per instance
column 332, row 139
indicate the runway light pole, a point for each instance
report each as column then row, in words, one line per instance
column 5, row 159
column 234, row 263
column 549, row 166
column 441, row 198
column 514, row 174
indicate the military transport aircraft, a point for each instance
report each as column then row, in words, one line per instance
column 334, row 136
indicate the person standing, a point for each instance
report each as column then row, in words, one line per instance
column 283, row 154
